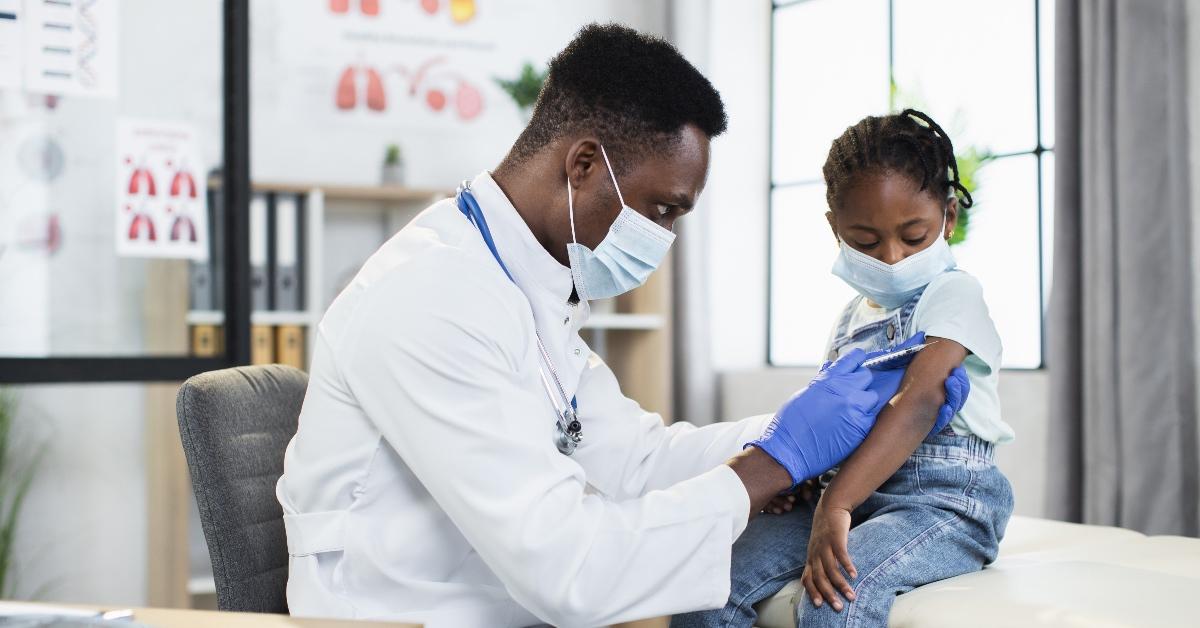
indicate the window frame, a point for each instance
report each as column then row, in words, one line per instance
column 1037, row 151
column 236, row 233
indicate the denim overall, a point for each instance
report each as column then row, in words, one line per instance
column 940, row 515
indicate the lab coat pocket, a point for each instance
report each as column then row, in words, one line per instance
column 316, row 544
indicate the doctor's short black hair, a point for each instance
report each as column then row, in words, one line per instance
column 634, row 91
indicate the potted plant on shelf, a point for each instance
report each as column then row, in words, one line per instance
column 525, row 88
column 393, row 166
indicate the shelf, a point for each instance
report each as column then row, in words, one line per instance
column 216, row 317
column 380, row 193
column 636, row 322
column 203, row 585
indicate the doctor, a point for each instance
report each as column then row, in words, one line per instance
column 464, row 459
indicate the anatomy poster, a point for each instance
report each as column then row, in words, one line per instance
column 162, row 205
column 420, row 62
column 70, row 46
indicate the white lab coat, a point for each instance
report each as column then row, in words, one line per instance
column 424, row 483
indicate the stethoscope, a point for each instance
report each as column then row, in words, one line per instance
column 569, row 431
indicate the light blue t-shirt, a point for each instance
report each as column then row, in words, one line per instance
column 953, row 307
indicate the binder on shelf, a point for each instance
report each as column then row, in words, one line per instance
column 262, row 344
column 260, row 284
column 202, row 293
column 217, row 210
column 289, row 343
column 287, row 268
column 208, row 341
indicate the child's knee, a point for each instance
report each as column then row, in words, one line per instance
column 823, row 616
column 866, row 610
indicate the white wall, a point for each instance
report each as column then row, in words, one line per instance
column 81, row 537
column 735, row 209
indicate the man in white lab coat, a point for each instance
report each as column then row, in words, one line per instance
column 440, row 473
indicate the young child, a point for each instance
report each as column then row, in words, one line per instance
column 909, row 507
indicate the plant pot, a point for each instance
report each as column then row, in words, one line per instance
column 393, row 174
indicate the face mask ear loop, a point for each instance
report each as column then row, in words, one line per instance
column 571, row 210
column 613, row 175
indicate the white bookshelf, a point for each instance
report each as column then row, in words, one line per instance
column 633, row 333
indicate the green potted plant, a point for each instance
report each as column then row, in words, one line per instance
column 393, row 166
column 525, row 88
column 15, row 480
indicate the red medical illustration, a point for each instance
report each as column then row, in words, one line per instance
column 436, row 99
column 40, row 232
column 181, row 223
column 468, row 100
column 142, row 182
column 441, row 87
column 348, row 87
column 183, row 184
column 142, row 223
column 461, row 11
column 368, row 7
column 376, row 98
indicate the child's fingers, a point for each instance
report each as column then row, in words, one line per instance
column 809, row 587
column 821, row 577
column 834, row 573
column 843, row 557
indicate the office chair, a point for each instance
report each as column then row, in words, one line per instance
column 235, row 424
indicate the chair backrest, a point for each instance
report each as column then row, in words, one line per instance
column 235, row 425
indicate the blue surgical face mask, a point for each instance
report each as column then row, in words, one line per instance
column 624, row 260
column 892, row 285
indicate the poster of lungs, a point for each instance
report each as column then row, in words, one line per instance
column 162, row 205
column 402, row 62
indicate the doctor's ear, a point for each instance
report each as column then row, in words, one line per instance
column 833, row 225
column 583, row 159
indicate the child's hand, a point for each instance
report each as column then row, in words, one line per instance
column 784, row 502
column 827, row 555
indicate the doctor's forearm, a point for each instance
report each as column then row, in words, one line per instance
column 763, row 477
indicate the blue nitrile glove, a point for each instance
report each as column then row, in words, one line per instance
column 886, row 381
column 818, row 427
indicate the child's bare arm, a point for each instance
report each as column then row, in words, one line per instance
column 904, row 422
column 901, row 426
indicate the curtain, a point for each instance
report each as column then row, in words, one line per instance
column 1121, row 352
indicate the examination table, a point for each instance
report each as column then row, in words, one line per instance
column 1051, row 573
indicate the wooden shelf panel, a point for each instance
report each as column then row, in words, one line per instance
column 217, row 317
column 379, row 193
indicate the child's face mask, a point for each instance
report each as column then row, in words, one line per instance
column 892, row 285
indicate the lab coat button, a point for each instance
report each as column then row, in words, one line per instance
column 577, row 352
column 891, row 331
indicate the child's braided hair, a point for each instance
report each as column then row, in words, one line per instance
column 909, row 143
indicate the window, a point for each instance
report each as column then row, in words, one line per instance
column 983, row 70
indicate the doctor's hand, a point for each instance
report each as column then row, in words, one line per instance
column 886, row 382
column 822, row 424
